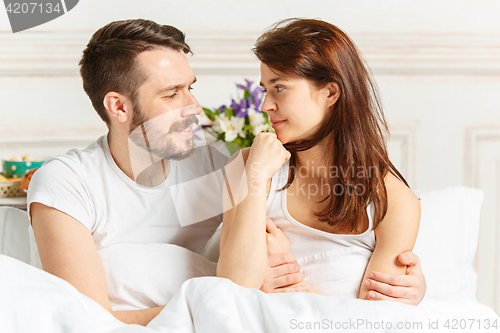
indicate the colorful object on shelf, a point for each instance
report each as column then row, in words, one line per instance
column 16, row 169
column 11, row 188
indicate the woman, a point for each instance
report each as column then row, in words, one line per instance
column 324, row 180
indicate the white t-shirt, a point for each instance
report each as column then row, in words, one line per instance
column 141, row 233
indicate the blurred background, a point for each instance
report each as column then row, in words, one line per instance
column 436, row 62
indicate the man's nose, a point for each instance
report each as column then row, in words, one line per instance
column 196, row 110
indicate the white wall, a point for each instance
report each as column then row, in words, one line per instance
column 437, row 64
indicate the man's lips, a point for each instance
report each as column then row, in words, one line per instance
column 188, row 132
column 277, row 123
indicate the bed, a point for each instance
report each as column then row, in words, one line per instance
column 32, row 300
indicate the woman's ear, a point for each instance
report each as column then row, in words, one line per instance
column 119, row 107
column 333, row 91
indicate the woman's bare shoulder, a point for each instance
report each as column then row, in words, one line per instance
column 398, row 190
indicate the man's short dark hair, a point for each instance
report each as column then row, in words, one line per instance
column 109, row 60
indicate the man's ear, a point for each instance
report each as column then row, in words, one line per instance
column 118, row 106
column 333, row 93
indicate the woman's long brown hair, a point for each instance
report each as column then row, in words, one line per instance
column 354, row 134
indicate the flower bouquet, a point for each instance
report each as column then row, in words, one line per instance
column 239, row 123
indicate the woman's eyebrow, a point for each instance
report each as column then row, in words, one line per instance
column 272, row 81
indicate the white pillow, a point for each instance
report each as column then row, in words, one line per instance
column 14, row 241
column 447, row 239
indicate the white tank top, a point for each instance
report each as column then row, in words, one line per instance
column 333, row 264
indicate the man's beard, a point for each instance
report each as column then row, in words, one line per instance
column 151, row 136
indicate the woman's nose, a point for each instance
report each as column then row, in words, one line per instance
column 268, row 105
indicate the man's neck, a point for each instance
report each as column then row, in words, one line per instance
column 118, row 147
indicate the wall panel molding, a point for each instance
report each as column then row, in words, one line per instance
column 45, row 145
column 228, row 52
column 401, row 146
column 482, row 170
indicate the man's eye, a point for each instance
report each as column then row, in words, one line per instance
column 171, row 96
column 278, row 88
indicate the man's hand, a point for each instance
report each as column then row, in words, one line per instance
column 409, row 288
column 282, row 275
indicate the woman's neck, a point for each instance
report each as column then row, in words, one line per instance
column 313, row 162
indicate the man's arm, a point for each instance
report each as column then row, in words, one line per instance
column 409, row 288
column 67, row 250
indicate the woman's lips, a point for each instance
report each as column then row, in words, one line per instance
column 277, row 123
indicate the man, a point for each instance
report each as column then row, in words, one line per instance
column 110, row 225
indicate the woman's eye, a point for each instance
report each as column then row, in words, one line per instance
column 190, row 88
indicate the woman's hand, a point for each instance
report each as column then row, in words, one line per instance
column 276, row 239
column 267, row 155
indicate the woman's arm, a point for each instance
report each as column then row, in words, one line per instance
column 396, row 233
column 243, row 247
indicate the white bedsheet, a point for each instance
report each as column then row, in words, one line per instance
column 34, row 301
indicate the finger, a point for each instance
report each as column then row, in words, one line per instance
column 410, row 293
column 270, row 226
column 375, row 296
column 288, row 280
column 288, row 155
column 284, row 269
column 408, row 259
column 263, row 134
column 394, row 280
column 291, row 289
column 280, row 259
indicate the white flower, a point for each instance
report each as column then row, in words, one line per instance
column 260, row 128
column 257, row 121
column 255, row 118
column 204, row 120
column 236, row 128
column 220, row 123
column 230, row 127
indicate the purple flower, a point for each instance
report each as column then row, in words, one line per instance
column 235, row 106
column 242, row 109
column 249, row 84
column 222, row 108
column 257, row 95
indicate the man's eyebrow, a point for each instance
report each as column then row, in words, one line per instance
column 272, row 81
column 173, row 87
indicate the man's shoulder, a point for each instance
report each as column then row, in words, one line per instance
column 79, row 159
column 75, row 165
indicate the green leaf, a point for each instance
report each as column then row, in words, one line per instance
column 229, row 112
column 233, row 148
column 209, row 114
column 246, row 95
